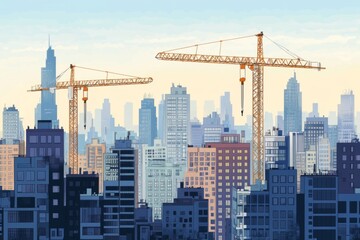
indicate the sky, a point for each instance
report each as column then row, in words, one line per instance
column 124, row 37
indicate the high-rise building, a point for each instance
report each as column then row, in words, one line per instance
column 212, row 128
column 159, row 183
column 226, row 113
column 348, row 166
column 48, row 80
column 9, row 149
column 310, row 159
column 232, row 171
column 314, row 128
column 11, row 123
column 292, row 107
column 209, row 107
column 276, row 149
column 297, row 156
column 346, row 125
column 77, row 184
column 95, row 159
column 37, row 113
column 120, row 191
column 317, row 207
column 201, row 172
column 48, row 142
column 128, row 116
column 177, row 124
column 161, row 120
column 147, row 122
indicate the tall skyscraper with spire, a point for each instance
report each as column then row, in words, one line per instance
column 48, row 80
column 292, row 106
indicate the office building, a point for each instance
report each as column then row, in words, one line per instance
column 120, row 191
column 346, row 125
column 314, row 128
column 232, row 170
column 11, row 123
column 292, row 107
column 48, row 80
column 323, row 158
column 201, row 172
column 9, row 149
column 212, row 128
column 276, row 150
column 226, row 113
column 147, row 122
column 95, row 159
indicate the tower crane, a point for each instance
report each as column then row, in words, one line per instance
column 73, row 87
column 256, row 65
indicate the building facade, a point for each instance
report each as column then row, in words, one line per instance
column 11, row 123
column 147, row 122
column 292, row 107
column 346, row 115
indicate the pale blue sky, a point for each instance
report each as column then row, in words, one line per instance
column 124, row 36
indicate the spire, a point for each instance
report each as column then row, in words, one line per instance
column 49, row 41
column 294, row 74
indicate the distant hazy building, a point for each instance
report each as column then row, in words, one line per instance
column 333, row 138
column 147, row 122
column 332, row 118
column 212, row 128
column 279, row 122
column 48, row 80
column 193, row 109
column 209, row 107
column 107, row 126
column 268, row 121
column 128, row 116
column 296, row 153
column 11, row 123
column 292, row 107
column 346, row 125
column 226, row 113
column 315, row 110
column 161, row 120
column 197, row 133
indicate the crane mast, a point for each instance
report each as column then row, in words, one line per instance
column 256, row 65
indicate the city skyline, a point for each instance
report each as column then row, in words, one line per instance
column 133, row 41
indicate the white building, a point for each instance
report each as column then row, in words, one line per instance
column 323, row 155
column 11, row 123
column 310, row 159
column 346, row 125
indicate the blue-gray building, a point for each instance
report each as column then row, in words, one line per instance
column 292, row 107
column 314, row 128
column 147, row 122
column 120, row 191
column 48, row 80
column 187, row 216
column 266, row 211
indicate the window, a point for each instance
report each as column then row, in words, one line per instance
column 55, row 202
column 55, row 176
column 56, row 189
column 33, row 139
column 55, row 215
column 344, row 157
column 41, row 175
column 57, row 139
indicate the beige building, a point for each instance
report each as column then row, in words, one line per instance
column 8, row 151
column 201, row 172
column 95, row 159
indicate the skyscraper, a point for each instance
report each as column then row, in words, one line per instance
column 292, row 107
column 226, row 114
column 147, row 122
column 346, row 125
column 48, row 80
column 315, row 110
column 193, row 109
column 161, row 122
column 209, row 107
column 11, row 123
column 177, row 124
column 107, row 126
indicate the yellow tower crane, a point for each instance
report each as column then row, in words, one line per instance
column 256, row 65
column 73, row 87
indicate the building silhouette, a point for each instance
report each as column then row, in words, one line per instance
column 147, row 122
column 292, row 106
